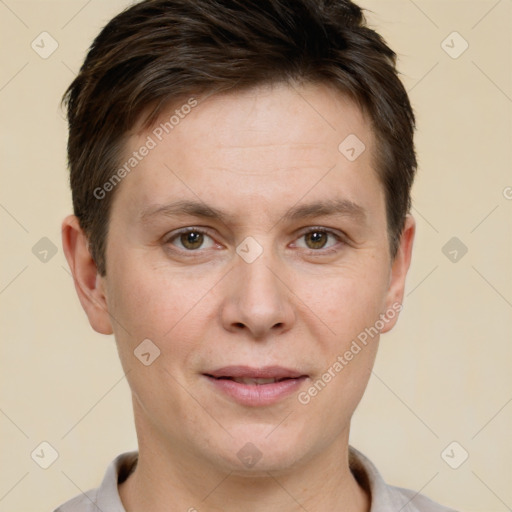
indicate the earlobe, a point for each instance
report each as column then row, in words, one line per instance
column 89, row 284
column 398, row 273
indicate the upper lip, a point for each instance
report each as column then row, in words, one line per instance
column 267, row 372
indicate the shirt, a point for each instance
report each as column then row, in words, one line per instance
column 384, row 498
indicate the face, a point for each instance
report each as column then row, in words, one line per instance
column 252, row 250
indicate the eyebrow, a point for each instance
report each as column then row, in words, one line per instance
column 341, row 207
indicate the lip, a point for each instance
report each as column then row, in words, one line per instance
column 267, row 372
column 287, row 382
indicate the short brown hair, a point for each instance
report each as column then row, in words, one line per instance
column 159, row 50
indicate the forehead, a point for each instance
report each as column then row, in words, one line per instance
column 266, row 144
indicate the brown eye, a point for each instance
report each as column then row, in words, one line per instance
column 192, row 240
column 319, row 241
column 316, row 239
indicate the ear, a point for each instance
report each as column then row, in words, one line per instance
column 89, row 285
column 399, row 268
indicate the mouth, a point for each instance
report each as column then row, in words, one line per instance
column 255, row 386
column 250, row 381
column 249, row 375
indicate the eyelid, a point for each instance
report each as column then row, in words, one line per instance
column 188, row 229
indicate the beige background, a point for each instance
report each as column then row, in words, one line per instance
column 442, row 375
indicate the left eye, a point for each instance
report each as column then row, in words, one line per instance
column 191, row 240
column 317, row 239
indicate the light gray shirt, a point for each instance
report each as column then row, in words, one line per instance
column 384, row 498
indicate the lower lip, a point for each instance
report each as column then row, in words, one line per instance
column 257, row 394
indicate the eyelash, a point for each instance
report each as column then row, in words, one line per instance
column 314, row 229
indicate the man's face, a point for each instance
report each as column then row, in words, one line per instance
column 251, row 294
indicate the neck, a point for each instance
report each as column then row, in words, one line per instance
column 172, row 480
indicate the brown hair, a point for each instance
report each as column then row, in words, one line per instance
column 157, row 51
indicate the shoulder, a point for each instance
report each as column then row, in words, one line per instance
column 387, row 498
column 82, row 503
column 105, row 498
column 415, row 502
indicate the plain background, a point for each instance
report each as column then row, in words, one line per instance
column 442, row 375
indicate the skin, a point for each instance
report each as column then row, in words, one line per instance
column 255, row 155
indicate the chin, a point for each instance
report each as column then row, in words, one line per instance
column 251, row 453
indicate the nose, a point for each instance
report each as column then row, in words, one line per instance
column 257, row 300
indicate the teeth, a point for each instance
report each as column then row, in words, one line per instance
column 244, row 380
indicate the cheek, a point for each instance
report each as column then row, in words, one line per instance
column 347, row 300
column 149, row 301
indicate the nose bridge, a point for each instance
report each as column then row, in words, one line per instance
column 257, row 300
column 258, row 282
